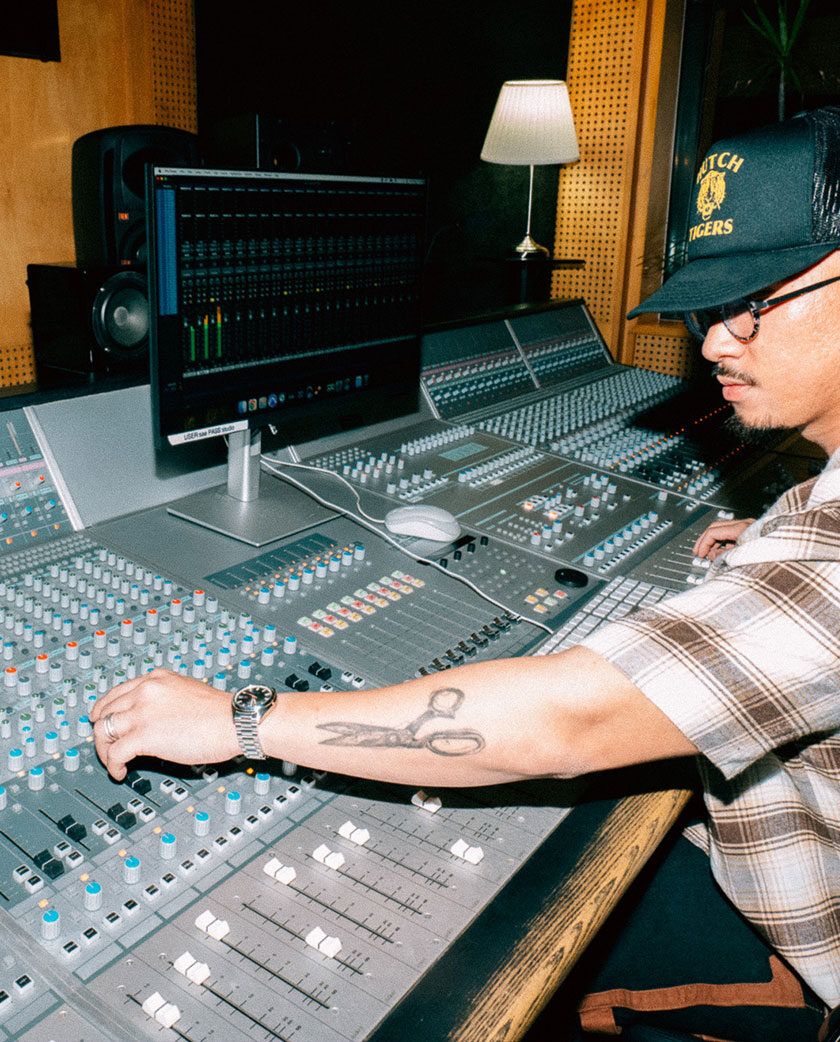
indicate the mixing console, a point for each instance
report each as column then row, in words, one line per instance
column 380, row 618
column 234, row 901
column 470, row 368
column 294, row 905
column 31, row 509
column 581, row 405
column 599, row 521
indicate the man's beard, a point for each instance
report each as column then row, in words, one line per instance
column 751, row 434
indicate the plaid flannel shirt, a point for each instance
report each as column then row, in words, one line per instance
column 747, row 665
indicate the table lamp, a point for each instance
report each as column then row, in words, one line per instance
column 531, row 126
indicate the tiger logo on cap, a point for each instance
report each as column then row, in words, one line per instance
column 712, row 193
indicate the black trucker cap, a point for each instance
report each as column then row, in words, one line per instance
column 765, row 207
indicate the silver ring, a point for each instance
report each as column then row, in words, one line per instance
column 108, row 727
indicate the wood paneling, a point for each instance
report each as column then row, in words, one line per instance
column 667, row 348
column 173, row 63
column 613, row 75
column 106, row 77
column 609, row 78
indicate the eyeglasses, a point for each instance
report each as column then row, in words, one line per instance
column 741, row 317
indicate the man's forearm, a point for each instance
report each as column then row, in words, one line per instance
column 510, row 719
column 478, row 724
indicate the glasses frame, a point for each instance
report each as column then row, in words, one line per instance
column 743, row 305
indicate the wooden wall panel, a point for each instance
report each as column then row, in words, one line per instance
column 613, row 75
column 106, row 77
column 606, row 75
column 173, row 64
column 651, row 342
column 668, row 349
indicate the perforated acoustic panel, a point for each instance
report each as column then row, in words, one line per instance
column 17, row 366
column 173, row 63
column 594, row 195
column 676, row 354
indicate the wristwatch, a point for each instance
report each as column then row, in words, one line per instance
column 250, row 706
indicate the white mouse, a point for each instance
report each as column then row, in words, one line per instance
column 423, row 522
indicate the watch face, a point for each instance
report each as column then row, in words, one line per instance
column 255, row 695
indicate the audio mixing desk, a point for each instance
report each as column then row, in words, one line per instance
column 242, row 901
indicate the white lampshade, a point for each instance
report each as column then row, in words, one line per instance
column 532, row 125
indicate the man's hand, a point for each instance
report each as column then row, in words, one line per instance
column 719, row 536
column 164, row 715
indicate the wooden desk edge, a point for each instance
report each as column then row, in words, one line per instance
column 569, row 917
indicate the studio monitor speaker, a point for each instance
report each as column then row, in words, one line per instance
column 256, row 142
column 92, row 321
column 108, row 189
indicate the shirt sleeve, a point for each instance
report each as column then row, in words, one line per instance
column 742, row 664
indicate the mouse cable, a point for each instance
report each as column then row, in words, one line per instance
column 273, row 467
column 270, row 463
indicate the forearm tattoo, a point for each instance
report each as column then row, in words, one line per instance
column 443, row 704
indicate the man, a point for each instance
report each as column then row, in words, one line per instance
column 741, row 672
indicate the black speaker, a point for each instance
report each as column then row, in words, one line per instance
column 108, row 189
column 92, row 321
column 255, row 142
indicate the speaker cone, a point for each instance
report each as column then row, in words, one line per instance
column 121, row 314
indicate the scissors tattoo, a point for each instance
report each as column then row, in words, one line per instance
column 443, row 703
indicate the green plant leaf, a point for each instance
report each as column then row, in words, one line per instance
column 764, row 26
column 799, row 19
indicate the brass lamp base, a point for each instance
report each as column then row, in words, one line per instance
column 528, row 245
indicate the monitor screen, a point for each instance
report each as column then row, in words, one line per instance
column 289, row 300
column 280, row 300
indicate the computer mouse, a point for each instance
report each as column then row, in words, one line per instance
column 571, row 577
column 423, row 522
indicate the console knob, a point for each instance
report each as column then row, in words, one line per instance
column 50, row 924
column 93, row 896
column 131, row 869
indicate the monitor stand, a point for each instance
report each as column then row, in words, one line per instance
column 252, row 508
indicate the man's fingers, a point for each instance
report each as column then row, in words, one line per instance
column 719, row 536
column 107, row 703
column 116, row 756
column 111, row 730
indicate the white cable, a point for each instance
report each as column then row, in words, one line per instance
column 274, row 468
column 270, row 464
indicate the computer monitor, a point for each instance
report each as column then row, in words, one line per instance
column 289, row 301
